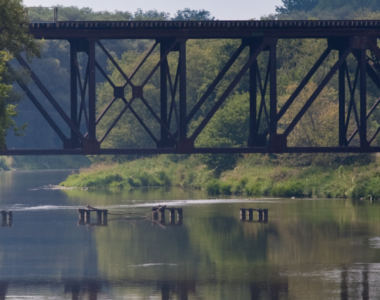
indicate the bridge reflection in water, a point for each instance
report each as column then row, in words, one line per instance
column 349, row 39
column 165, row 290
column 93, row 289
column 354, row 284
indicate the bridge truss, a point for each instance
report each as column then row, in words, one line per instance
column 358, row 38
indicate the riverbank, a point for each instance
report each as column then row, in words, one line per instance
column 252, row 176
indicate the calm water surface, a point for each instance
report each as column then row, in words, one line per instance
column 308, row 249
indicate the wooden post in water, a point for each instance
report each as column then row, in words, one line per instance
column 242, row 213
column 265, row 212
column 154, row 213
column 81, row 214
column 260, row 214
column 161, row 213
column 250, row 214
column 179, row 214
column 172, row 216
column 6, row 218
column 105, row 217
column 99, row 217
column 3, row 214
column 87, row 216
column 10, row 219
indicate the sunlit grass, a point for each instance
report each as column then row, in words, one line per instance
column 253, row 176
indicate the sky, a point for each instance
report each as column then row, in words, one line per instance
column 220, row 9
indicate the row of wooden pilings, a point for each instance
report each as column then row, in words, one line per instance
column 85, row 216
column 6, row 218
column 262, row 214
column 158, row 214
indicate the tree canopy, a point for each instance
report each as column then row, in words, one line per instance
column 14, row 38
column 323, row 6
column 293, row 5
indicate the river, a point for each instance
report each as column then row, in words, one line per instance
column 306, row 249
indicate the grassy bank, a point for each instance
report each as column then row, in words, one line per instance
column 253, row 176
column 158, row 171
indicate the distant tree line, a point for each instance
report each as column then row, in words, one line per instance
column 291, row 6
column 73, row 13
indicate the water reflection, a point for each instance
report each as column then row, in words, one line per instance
column 269, row 290
column 310, row 249
column 164, row 290
column 3, row 290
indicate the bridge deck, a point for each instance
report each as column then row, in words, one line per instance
column 204, row 29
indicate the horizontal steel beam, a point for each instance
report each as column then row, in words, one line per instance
column 204, row 29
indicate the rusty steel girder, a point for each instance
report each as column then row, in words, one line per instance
column 356, row 37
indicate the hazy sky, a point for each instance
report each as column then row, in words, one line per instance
column 220, row 9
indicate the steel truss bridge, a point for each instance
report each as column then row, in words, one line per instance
column 346, row 37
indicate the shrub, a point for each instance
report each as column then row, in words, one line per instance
column 149, row 180
column 113, row 178
column 291, row 188
column 164, row 178
column 225, row 188
column 213, row 187
column 373, row 187
column 4, row 164
column 253, row 189
column 133, row 183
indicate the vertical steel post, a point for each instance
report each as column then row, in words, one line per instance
column 73, row 91
column 164, row 93
column 363, row 100
column 182, row 90
column 273, row 91
column 253, row 130
column 342, row 102
column 91, row 90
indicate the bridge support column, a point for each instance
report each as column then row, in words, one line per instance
column 91, row 145
column 184, row 145
column 363, row 100
column 164, row 93
column 277, row 142
column 73, row 94
column 253, row 130
column 342, row 101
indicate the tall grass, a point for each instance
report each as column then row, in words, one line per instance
column 253, row 176
column 157, row 171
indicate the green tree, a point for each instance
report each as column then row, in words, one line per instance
column 353, row 4
column 296, row 5
column 14, row 38
column 187, row 14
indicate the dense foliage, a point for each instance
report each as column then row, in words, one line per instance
column 292, row 5
column 327, row 9
column 14, row 38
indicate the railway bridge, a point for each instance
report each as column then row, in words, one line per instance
column 356, row 37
